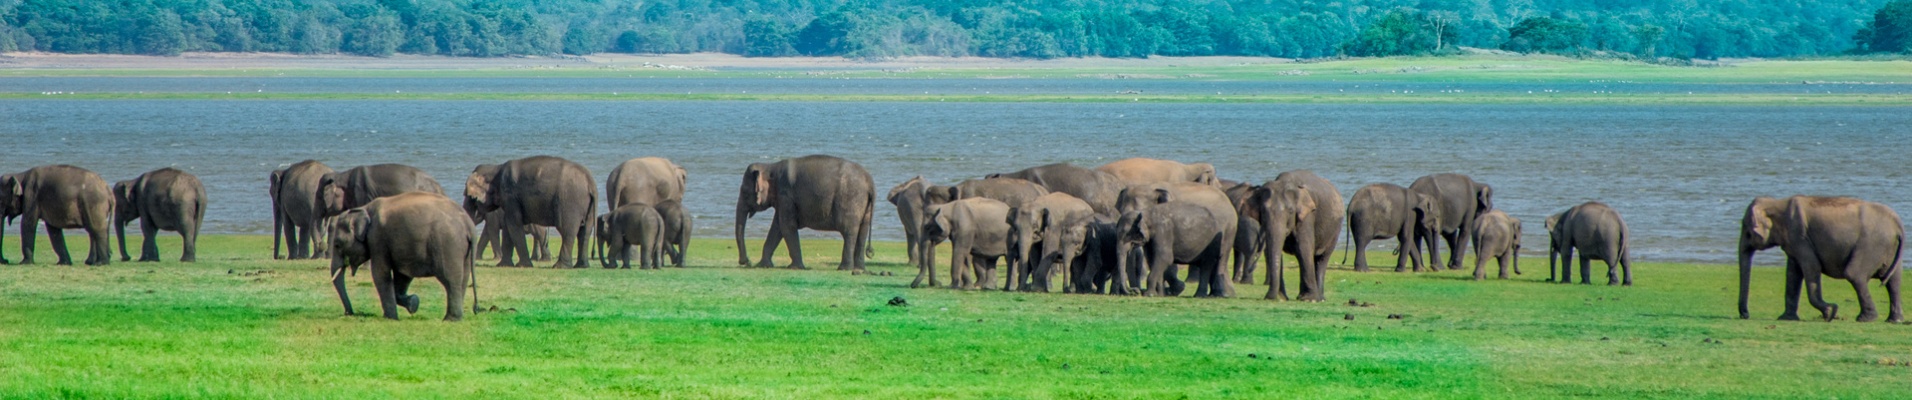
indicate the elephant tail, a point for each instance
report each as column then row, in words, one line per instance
column 471, row 270
column 1348, row 246
column 869, row 215
column 1898, row 259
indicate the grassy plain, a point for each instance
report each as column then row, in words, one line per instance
column 239, row 324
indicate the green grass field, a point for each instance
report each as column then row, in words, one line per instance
column 239, row 324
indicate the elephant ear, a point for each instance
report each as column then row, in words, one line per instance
column 1133, row 228
column 954, row 193
column 683, row 176
column 1485, row 197
column 124, row 193
column 912, row 185
column 1162, row 195
column 1304, row 202
column 1044, row 221
column 1553, row 220
column 478, row 186
column 1206, row 174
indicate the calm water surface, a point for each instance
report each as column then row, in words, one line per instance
column 1680, row 175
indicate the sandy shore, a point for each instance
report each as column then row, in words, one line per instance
column 688, row 61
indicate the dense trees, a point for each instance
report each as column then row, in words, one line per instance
column 995, row 28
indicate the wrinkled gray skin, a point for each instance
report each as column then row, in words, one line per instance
column 1247, row 231
column 634, row 224
column 1177, row 232
column 815, row 192
column 407, row 236
column 296, row 214
column 1048, row 230
column 1015, row 193
column 357, row 186
column 1462, row 201
column 162, row 199
column 1097, row 188
column 677, row 230
column 1596, row 231
column 648, row 180
column 1840, row 237
column 1498, row 238
column 1389, row 211
column 1301, row 215
column 490, row 237
column 1142, row 196
column 1148, row 170
column 912, row 199
column 541, row 190
column 64, row 197
column 1098, row 267
column 977, row 230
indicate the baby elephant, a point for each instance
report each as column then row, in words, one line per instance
column 977, row 229
column 164, row 199
column 406, row 236
column 677, row 230
column 633, row 224
column 1596, row 231
column 1499, row 238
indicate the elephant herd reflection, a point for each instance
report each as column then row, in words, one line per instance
column 1126, row 228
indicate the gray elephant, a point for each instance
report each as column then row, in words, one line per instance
column 357, row 186
column 1462, row 201
column 1097, row 272
column 1301, row 215
column 677, row 230
column 912, row 199
column 296, row 214
column 407, row 236
column 1247, row 231
column 1011, row 191
column 1596, row 231
column 542, row 190
column 1097, row 188
column 1049, row 230
column 648, row 180
column 490, row 237
column 1176, row 232
column 977, row 229
column 1389, row 211
column 64, row 197
column 816, row 192
column 1498, row 238
column 1149, row 170
column 633, row 224
column 1140, row 197
column 1840, row 237
column 162, row 199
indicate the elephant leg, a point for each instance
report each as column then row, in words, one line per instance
column 488, row 237
column 149, row 246
column 29, row 226
column 1794, row 278
column 571, row 237
column 99, row 244
column 1867, row 312
column 1158, row 276
column 1586, row 268
column 1361, row 253
column 1816, row 296
column 1480, row 263
column 929, row 261
column 58, row 239
column 848, row 260
column 922, row 270
column 189, row 235
column 387, row 297
column 1455, row 251
column 795, row 244
column 1408, row 256
column 770, row 243
column 1277, row 287
column 454, row 284
column 1626, row 271
column 402, row 288
column 1176, row 284
column 1892, row 292
column 292, row 235
column 516, row 252
column 910, row 240
column 955, row 268
column 1504, row 260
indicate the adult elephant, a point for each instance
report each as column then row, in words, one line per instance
column 818, row 192
column 407, row 236
column 1840, row 237
column 1462, row 201
column 542, row 190
column 1011, row 191
column 358, row 186
column 1389, row 211
column 1097, row 188
column 1140, row 197
column 1149, row 170
column 161, row 199
column 1177, row 232
column 1301, row 215
column 296, row 214
column 64, row 197
column 912, row 199
column 648, row 180
column 1596, row 231
column 1051, row 229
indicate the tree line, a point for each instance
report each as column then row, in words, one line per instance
column 1015, row 28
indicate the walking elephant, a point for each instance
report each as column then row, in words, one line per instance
column 1301, row 215
column 1498, row 238
column 1149, row 170
column 648, row 180
column 1596, row 231
column 1840, row 237
column 64, row 197
column 542, row 190
column 407, row 236
column 912, row 199
column 296, row 213
column 1177, row 232
column 162, row 199
column 1462, row 201
column 1389, row 211
column 1097, row 188
column 977, row 229
column 1049, row 230
column 818, row 192
column 358, row 186
column 633, row 224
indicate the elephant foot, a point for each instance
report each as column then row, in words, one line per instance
column 1831, row 312
column 506, row 264
column 1789, row 317
column 125, row 259
column 1896, row 318
column 410, row 302
column 795, row 266
column 1867, row 316
column 188, row 259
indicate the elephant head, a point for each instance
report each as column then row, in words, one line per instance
column 350, row 248
column 1483, row 198
column 1131, row 230
column 125, row 193
column 1427, row 212
column 478, row 191
column 1024, row 232
column 332, row 194
column 1204, row 173
column 12, row 196
column 1141, row 197
column 936, row 225
column 756, row 194
column 1062, row 241
column 1762, row 228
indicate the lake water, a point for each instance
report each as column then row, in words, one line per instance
column 1681, row 175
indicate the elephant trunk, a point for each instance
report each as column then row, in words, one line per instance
column 339, row 264
column 1432, row 237
column 1516, row 254
column 743, row 217
column 1745, row 278
column 1122, row 284
column 1311, row 272
column 1274, row 235
column 119, row 225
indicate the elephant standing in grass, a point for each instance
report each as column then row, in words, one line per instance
column 1097, row 188
column 490, row 237
column 1840, row 237
column 1301, row 215
column 1177, row 232
column 1462, row 201
column 1498, row 238
column 677, row 230
column 648, row 180
column 817, row 192
column 912, row 199
column 1149, row 170
column 162, row 199
column 1247, row 231
column 1596, row 231
column 407, row 236
column 296, row 214
column 1049, row 230
column 1140, row 197
column 634, row 224
column 64, row 197
column 976, row 228
column 1098, row 270
column 358, row 186
column 1385, row 211
column 542, row 190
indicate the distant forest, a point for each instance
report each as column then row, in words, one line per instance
column 1027, row 28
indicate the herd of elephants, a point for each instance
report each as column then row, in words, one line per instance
column 1120, row 228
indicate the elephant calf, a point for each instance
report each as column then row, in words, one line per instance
column 163, row 199
column 677, row 230
column 975, row 228
column 1177, row 232
column 407, row 236
column 1497, row 238
column 633, row 224
column 1596, row 231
